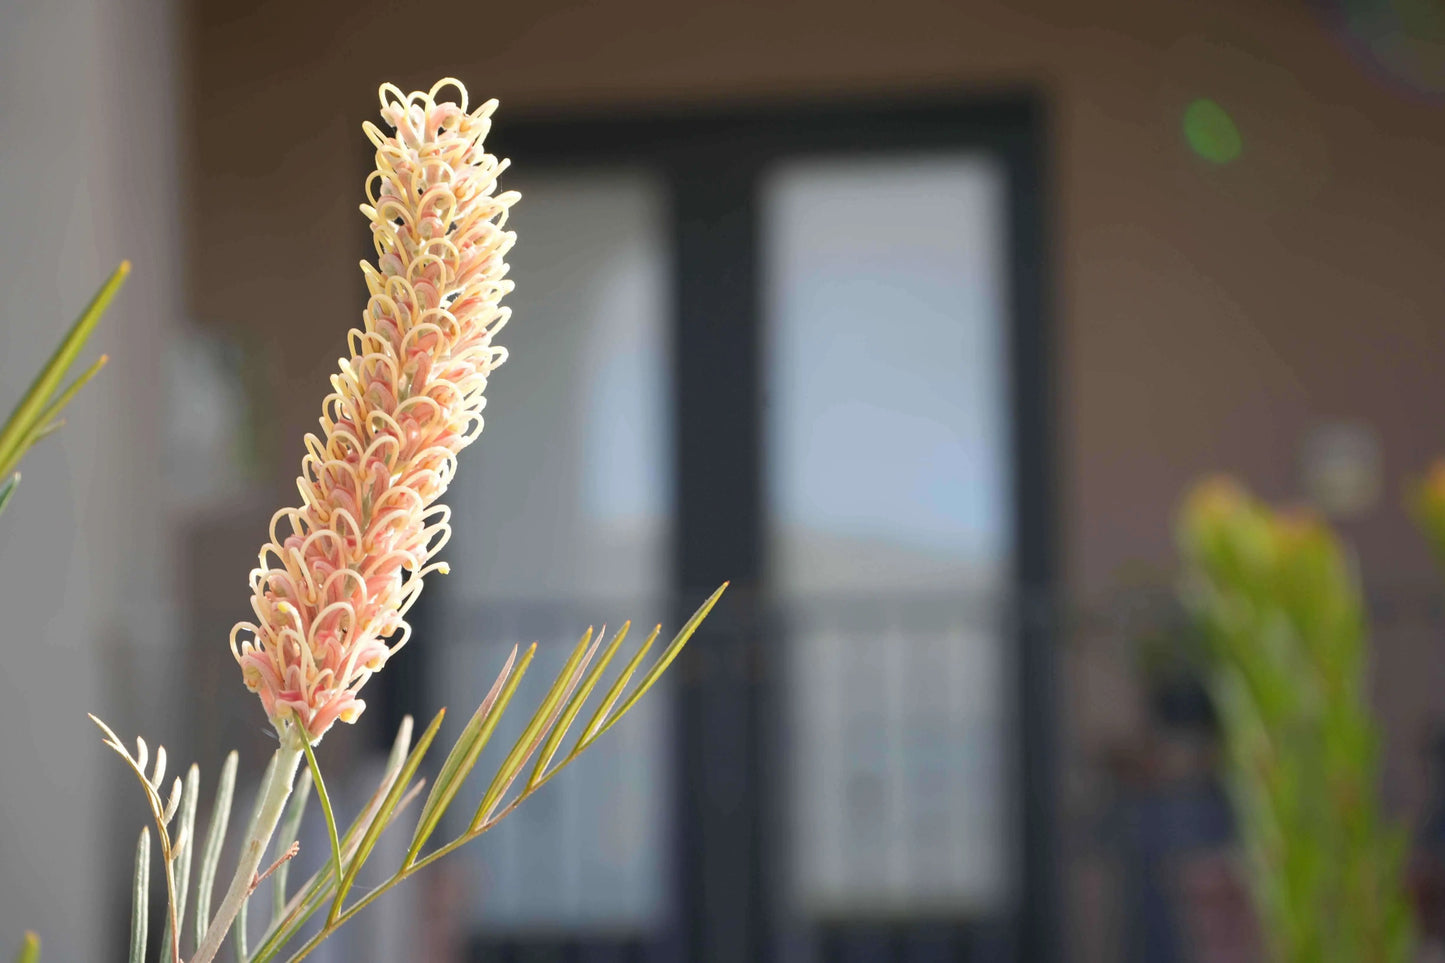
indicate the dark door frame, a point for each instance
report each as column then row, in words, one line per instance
column 712, row 159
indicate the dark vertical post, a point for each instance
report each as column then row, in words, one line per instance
column 719, row 537
column 1036, row 619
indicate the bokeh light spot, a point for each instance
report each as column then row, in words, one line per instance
column 1211, row 132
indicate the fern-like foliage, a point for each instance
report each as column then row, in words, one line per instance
column 537, row 755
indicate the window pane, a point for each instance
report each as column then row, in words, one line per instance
column 890, row 525
column 562, row 518
column 568, row 493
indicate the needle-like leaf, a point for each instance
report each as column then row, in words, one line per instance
column 532, row 735
column 50, row 421
column 614, row 692
column 31, row 407
column 584, row 691
column 321, row 883
column 383, row 815
column 290, row 830
column 550, row 717
column 400, row 746
column 140, row 897
column 326, row 811
column 468, row 747
column 52, row 412
column 215, row 840
column 664, row 660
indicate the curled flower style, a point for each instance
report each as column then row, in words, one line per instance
column 341, row 571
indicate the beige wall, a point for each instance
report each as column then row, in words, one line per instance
column 1205, row 316
column 89, row 161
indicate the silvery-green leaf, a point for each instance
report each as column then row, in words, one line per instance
column 140, row 897
column 290, row 830
column 215, row 840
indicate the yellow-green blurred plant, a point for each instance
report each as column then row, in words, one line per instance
column 1427, row 502
column 39, row 409
column 1288, row 671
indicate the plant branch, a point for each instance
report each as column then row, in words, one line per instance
column 273, row 800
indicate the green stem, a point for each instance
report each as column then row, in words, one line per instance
column 406, row 872
column 268, row 814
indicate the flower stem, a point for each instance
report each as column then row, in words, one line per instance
column 268, row 813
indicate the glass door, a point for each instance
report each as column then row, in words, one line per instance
column 803, row 350
column 890, row 500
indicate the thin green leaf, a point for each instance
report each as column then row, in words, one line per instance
column 326, row 809
column 42, row 431
column 463, row 757
column 140, row 897
column 384, row 813
column 52, row 412
column 664, row 660
column 50, row 421
column 7, row 489
column 584, row 691
column 614, row 692
column 185, row 846
column 317, row 887
column 27, row 412
column 399, row 748
column 29, row 949
column 215, row 840
column 537, row 727
column 290, row 830
column 303, row 907
column 309, row 899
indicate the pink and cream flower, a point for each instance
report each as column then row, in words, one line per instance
column 341, row 571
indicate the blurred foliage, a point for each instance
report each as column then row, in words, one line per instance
column 1427, row 501
column 29, row 950
column 37, row 415
column 1284, row 625
column 38, row 412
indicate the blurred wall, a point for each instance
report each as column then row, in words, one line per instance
column 1206, row 317
column 89, row 168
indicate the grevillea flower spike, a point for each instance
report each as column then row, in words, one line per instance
column 340, row 571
